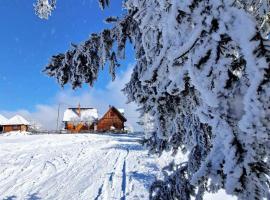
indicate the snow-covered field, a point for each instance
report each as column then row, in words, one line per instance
column 84, row 166
column 74, row 167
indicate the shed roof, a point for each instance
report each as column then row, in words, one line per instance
column 86, row 114
column 119, row 112
column 17, row 120
column 3, row 120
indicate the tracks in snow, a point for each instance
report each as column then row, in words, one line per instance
column 124, row 177
column 114, row 185
column 71, row 167
column 99, row 192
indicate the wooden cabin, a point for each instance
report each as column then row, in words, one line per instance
column 16, row 123
column 113, row 120
column 79, row 119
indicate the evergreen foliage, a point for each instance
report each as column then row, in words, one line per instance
column 202, row 71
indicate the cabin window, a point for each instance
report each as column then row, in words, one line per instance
column 15, row 127
column 112, row 114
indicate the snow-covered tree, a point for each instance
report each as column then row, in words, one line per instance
column 202, row 71
column 148, row 125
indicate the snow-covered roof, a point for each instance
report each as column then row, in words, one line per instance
column 3, row 120
column 86, row 115
column 121, row 110
column 17, row 120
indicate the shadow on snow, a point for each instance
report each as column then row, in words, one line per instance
column 143, row 178
column 33, row 196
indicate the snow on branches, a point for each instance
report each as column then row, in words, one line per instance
column 260, row 9
column 203, row 72
column 44, row 8
column 81, row 64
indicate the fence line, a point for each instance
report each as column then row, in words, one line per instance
column 44, row 132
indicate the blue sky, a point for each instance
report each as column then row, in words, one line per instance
column 28, row 42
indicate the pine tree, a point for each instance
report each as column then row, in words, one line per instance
column 203, row 72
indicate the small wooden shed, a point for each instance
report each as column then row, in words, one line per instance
column 16, row 123
column 113, row 119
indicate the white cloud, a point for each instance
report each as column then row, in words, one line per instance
column 46, row 115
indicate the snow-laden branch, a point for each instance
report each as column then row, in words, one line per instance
column 44, row 8
column 203, row 73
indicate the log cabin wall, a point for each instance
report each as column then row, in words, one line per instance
column 9, row 128
column 70, row 126
column 110, row 119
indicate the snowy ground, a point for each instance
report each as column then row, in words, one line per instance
column 90, row 167
column 74, row 167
